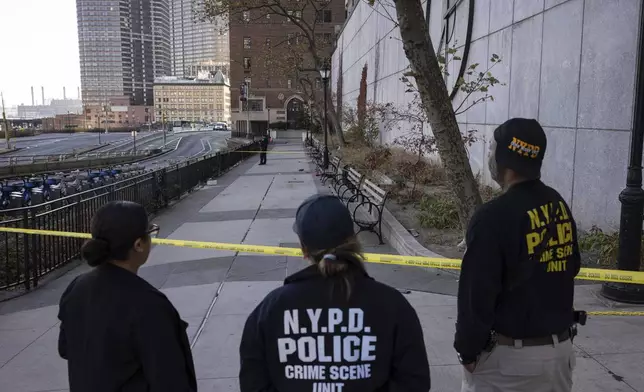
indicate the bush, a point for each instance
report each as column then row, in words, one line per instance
column 439, row 212
column 600, row 248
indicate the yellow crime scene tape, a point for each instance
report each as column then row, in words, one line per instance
column 635, row 277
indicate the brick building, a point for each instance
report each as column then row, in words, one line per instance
column 64, row 122
column 118, row 114
column 273, row 98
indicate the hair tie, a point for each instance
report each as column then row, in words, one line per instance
column 329, row 257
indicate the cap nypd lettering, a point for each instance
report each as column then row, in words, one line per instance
column 521, row 146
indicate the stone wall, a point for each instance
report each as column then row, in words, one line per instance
column 568, row 63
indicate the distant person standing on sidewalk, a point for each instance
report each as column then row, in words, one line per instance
column 331, row 327
column 118, row 332
column 263, row 145
column 516, row 289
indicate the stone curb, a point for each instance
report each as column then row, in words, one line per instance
column 405, row 243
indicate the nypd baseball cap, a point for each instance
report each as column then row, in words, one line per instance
column 323, row 222
column 521, row 146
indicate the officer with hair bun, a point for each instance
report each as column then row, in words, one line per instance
column 118, row 332
column 515, row 297
column 331, row 327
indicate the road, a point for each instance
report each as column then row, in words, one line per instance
column 182, row 145
column 61, row 143
column 185, row 145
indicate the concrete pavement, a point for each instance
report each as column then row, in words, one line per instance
column 215, row 290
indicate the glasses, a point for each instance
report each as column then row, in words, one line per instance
column 153, row 231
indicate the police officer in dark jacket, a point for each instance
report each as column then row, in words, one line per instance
column 118, row 332
column 331, row 327
column 263, row 145
column 515, row 296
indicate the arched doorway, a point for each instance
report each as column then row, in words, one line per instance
column 294, row 112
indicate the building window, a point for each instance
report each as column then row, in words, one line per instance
column 288, row 84
column 246, row 42
column 246, row 63
column 268, row 42
column 289, row 38
column 297, row 14
column 317, row 83
column 327, row 38
column 268, row 16
column 255, row 105
column 324, row 16
column 268, row 83
column 246, row 16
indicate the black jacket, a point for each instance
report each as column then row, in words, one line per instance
column 263, row 144
column 306, row 335
column 503, row 286
column 118, row 333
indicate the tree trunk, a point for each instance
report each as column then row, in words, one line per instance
column 338, row 92
column 438, row 107
column 335, row 128
column 335, row 125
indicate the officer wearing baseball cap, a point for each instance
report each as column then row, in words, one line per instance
column 515, row 297
column 331, row 327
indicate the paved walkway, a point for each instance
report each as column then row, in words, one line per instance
column 215, row 290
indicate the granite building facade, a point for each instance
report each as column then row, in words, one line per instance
column 568, row 63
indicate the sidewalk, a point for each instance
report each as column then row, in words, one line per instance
column 215, row 290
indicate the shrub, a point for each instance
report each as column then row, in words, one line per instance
column 438, row 211
column 600, row 248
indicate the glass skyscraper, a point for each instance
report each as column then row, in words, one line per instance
column 197, row 45
column 124, row 45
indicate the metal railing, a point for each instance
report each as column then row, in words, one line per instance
column 34, row 159
column 25, row 259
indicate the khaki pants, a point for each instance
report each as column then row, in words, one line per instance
column 524, row 369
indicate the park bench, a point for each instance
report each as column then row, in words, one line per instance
column 315, row 152
column 348, row 187
column 332, row 172
column 370, row 206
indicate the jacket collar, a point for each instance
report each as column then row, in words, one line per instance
column 311, row 273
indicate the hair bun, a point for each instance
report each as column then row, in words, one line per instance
column 95, row 251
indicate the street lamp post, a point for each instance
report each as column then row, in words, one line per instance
column 134, row 137
column 632, row 197
column 309, row 129
column 324, row 73
column 7, row 131
column 163, row 127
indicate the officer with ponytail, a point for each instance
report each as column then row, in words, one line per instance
column 331, row 327
column 118, row 332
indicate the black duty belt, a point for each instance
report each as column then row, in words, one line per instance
column 532, row 342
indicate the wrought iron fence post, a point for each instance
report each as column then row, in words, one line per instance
column 180, row 182
column 164, row 187
column 79, row 216
column 35, row 248
column 27, row 253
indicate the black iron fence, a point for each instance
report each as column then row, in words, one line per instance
column 25, row 259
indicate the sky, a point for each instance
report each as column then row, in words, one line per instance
column 38, row 47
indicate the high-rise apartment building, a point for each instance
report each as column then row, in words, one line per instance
column 197, row 45
column 124, row 45
column 274, row 96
